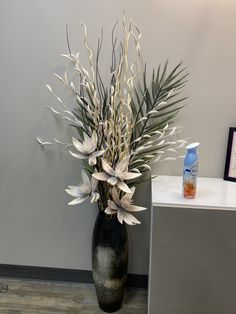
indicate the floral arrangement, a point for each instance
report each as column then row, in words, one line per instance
column 121, row 128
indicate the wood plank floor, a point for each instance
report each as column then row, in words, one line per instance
column 37, row 297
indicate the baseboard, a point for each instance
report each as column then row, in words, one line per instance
column 61, row 274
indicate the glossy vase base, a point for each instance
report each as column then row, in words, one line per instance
column 110, row 298
column 110, row 308
column 109, row 262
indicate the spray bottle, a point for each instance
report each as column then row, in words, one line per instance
column 190, row 172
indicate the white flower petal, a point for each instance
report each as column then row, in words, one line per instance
column 101, row 176
column 78, row 200
column 120, row 215
column 115, row 195
column 129, row 175
column 132, row 190
column 122, row 165
column 79, row 146
column 89, row 144
column 112, row 205
column 94, row 184
column 123, row 187
column 134, row 208
column 112, row 180
column 79, row 156
column 92, row 160
column 86, row 180
column 85, row 189
column 127, row 198
column 128, row 218
column 74, row 191
column 86, row 137
column 94, row 141
column 109, row 211
column 108, row 168
column 99, row 153
column 94, row 197
column 97, row 196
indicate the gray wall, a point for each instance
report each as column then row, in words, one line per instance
column 36, row 226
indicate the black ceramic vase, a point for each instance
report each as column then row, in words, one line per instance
column 109, row 261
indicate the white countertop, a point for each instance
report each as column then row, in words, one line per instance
column 212, row 193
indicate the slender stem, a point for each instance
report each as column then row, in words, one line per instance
column 67, row 39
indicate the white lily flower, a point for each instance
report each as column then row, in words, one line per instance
column 123, row 207
column 84, row 191
column 87, row 149
column 118, row 175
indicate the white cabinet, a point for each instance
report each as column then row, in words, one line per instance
column 193, row 248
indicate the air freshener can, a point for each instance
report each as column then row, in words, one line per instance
column 190, row 171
